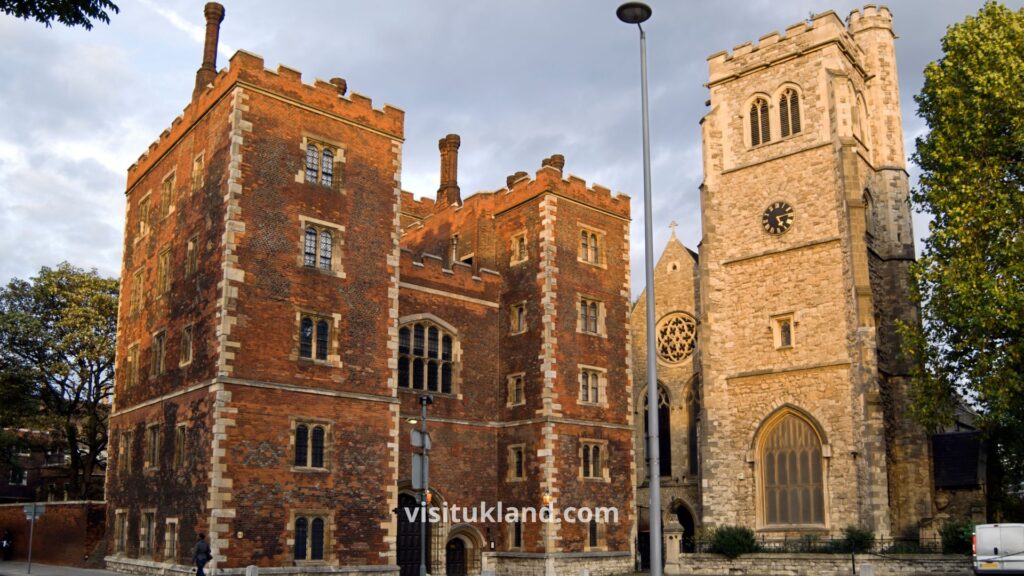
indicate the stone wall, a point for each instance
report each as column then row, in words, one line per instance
column 819, row 565
column 67, row 533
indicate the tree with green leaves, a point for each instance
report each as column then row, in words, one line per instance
column 67, row 12
column 970, row 277
column 57, row 345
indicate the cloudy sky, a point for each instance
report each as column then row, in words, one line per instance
column 519, row 80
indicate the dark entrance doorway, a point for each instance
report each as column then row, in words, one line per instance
column 409, row 537
column 689, row 528
column 455, row 562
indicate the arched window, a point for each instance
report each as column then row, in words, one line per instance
column 312, row 163
column 425, row 357
column 317, row 456
column 327, row 168
column 595, row 254
column 869, row 214
column 789, row 112
column 664, row 437
column 314, row 343
column 326, row 248
column 791, row 472
column 318, row 247
column 316, row 547
column 306, row 337
column 301, row 445
column 309, row 253
column 759, row 126
column 301, row 536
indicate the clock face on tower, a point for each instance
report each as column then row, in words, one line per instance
column 777, row 217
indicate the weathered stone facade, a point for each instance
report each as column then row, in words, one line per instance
column 286, row 306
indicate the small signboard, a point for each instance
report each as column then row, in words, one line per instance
column 420, row 439
column 33, row 511
column 419, row 467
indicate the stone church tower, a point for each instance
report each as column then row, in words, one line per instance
column 803, row 277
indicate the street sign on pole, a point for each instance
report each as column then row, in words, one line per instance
column 418, row 469
column 420, row 439
column 32, row 511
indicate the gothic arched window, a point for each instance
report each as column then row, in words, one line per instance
column 759, row 126
column 789, row 112
column 664, row 435
column 425, row 357
column 314, row 344
column 791, row 472
column 301, row 536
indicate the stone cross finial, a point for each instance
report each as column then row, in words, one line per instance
column 673, row 226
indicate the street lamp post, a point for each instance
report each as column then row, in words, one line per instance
column 425, row 401
column 637, row 13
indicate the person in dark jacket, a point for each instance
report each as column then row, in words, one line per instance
column 7, row 543
column 201, row 554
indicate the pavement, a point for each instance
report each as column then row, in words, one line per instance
column 21, row 569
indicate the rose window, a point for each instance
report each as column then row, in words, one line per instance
column 676, row 334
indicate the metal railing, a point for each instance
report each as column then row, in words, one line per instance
column 819, row 545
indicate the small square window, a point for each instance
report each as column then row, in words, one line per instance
column 163, row 272
column 783, row 331
column 144, row 215
column 153, row 447
column 323, row 162
column 594, row 460
column 519, row 250
column 591, row 385
column 124, row 452
column 314, row 337
column 185, row 351
column 310, row 440
column 516, row 462
column 159, row 353
column 198, row 173
column 591, row 316
column 516, row 534
column 18, row 477
column 132, row 366
column 167, row 196
column 192, row 255
column 136, row 294
column 518, row 318
column 591, row 247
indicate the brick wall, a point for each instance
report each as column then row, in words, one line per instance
column 67, row 533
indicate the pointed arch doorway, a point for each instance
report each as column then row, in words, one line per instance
column 409, row 536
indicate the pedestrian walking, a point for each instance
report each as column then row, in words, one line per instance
column 201, row 554
column 7, row 543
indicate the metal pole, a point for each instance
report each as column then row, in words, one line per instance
column 654, row 471
column 423, row 497
column 31, row 532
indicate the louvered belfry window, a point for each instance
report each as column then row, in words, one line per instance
column 792, row 471
column 760, row 131
column 789, row 112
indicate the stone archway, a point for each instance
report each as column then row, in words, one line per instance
column 686, row 520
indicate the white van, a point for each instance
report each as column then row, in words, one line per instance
column 999, row 549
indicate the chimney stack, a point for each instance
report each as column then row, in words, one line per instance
column 448, row 193
column 214, row 13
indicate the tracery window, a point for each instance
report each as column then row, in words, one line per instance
column 677, row 332
column 426, row 357
column 791, row 469
column 789, row 112
column 760, row 132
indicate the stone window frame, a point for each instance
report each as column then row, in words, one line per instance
column 763, row 120
column 601, row 529
column 777, row 324
column 592, row 232
column 180, row 439
column 186, row 344
column 172, row 539
column 782, row 90
column 585, row 475
column 138, row 285
column 192, row 255
column 334, row 324
column 510, row 384
column 124, row 451
column 167, row 194
column 158, row 354
column 518, row 319
column 337, row 232
column 147, row 533
column 755, row 459
column 311, row 423
column 144, row 215
column 198, row 176
column 151, row 460
column 517, row 256
column 120, row 530
column 515, row 529
column 602, row 314
column 513, row 449
column 131, row 361
column 337, row 150
column 602, row 385
column 310, row 514
column 163, row 272
column 445, row 329
column 671, row 317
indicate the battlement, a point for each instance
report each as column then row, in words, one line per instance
column 871, row 16
column 797, row 38
column 431, row 271
column 422, row 207
column 247, row 68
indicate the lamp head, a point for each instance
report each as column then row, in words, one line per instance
column 633, row 12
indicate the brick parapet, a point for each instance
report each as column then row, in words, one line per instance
column 285, row 82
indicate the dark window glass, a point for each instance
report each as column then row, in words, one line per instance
column 585, row 386
column 794, row 111
column 403, row 341
column 312, row 161
column 755, row 126
column 446, row 378
column 517, row 534
column 322, row 332
column 309, row 251
column 784, row 115
column 306, row 338
column 301, row 532
column 316, row 541
column 327, row 168
column 595, row 462
column 793, row 487
column 317, row 460
column 301, row 444
column 583, row 315
column 417, row 341
column 446, row 348
column 586, row 461
column 519, row 463
column 766, row 135
column 417, row 374
column 432, row 342
column 403, row 371
column 326, row 249
column 593, row 317
column 595, row 255
column 593, row 532
column 584, row 245
column 432, row 376
column 785, row 333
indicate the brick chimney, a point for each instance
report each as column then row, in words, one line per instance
column 214, row 13
column 448, row 193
